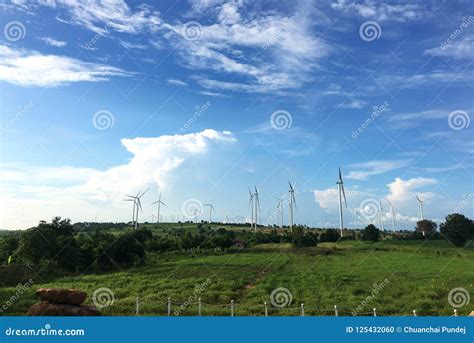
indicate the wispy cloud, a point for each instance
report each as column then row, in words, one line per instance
column 371, row 168
column 53, row 42
column 175, row 82
column 31, row 68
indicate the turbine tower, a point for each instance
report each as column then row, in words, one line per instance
column 251, row 207
column 257, row 207
column 280, row 211
column 420, row 207
column 159, row 202
column 211, row 208
column 291, row 194
column 381, row 215
column 342, row 194
column 392, row 214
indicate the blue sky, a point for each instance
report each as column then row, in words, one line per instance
column 202, row 99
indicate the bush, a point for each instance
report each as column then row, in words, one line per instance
column 371, row 233
column 457, row 229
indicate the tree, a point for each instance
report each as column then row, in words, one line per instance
column 371, row 233
column 457, row 229
column 330, row 235
column 425, row 228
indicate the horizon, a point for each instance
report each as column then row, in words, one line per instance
column 200, row 101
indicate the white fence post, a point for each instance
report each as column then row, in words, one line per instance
column 375, row 312
column 199, row 307
column 137, row 306
column 455, row 312
column 169, row 306
column 232, row 308
column 266, row 309
column 302, row 309
column 336, row 313
column 414, row 313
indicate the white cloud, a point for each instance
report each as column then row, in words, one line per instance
column 176, row 82
column 460, row 49
column 366, row 169
column 293, row 50
column 102, row 16
column 354, row 104
column 402, row 191
column 53, row 42
column 48, row 191
column 31, row 68
column 381, row 11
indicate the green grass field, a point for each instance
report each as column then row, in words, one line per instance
column 420, row 276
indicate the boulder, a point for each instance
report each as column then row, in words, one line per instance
column 45, row 308
column 61, row 296
column 471, row 314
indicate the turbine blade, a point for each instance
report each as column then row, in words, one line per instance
column 163, row 204
column 144, row 192
column 344, row 195
column 340, row 175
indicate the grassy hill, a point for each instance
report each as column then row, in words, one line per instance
column 420, row 275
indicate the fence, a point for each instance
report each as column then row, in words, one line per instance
column 176, row 309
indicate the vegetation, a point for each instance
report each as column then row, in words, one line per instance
column 371, row 233
column 171, row 260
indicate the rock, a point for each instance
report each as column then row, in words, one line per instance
column 471, row 314
column 47, row 309
column 61, row 296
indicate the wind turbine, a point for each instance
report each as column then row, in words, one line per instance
column 280, row 210
column 420, row 207
column 381, row 215
column 251, row 207
column 137, row 205
column 257, row 207
column 355, row 217
column 291, row 193
column 211, row 208
column 393, row 215
column 159, row 202
column 342, row 193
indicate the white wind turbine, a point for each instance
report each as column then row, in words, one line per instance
column 381, row 215
column 211, row 208
column 342, row 194
column 291, row 194
column 159, row 202
column 251, row 207
column 280, row 211
column 137, row 205
column 392, row 214
column 257, row 207
column 420, row 207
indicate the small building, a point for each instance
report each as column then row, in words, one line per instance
column 238, row 244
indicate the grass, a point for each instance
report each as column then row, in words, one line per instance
column 420, row 276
